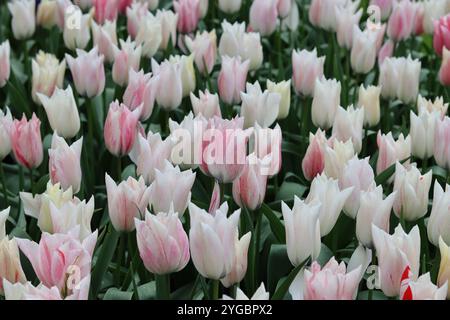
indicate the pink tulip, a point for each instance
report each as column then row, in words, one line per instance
column 224, row 149
column 401, row 21
column 58, row 255
column 268, row 148
column 5, row 67
column 141, row 90
column 135, row 14
column 384, row 5
column 26, row 141
column 386, row 51
column 163, row 244
column 206, row 104
column 64, row 163
column 391, row 151
column 314, row 161
column 442, row 143
column 125, row 59
column 232, row 79
column 88, row 72
column 418, row 25
column 444, row 71
column 284, row 7
column 263, row 16
column 204, row 48
column 121, row 128
column 61, row 7
column 124, row 4
column 6, row 122
column 441, row 35
column 188, row 14
column 105, row 38
column 106, row 10
column 306, row 68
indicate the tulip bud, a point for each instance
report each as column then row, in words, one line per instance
column 401, row 20
column 422, row 289
column 364, row 51
column 141, row 91
column 26, row 142
column 188, row 14
column 149, row 35
column 76, row 35
column 46, row 13
column 263, row 16
column 390, row 151
column 170, row 81
column 121, row 128
column 204, row 48
column 438, row 223
column 64, row 163
column 136, row 13
column 126, row 201
column 440, row 34
column 206, row 104
column 128, row 57
column 326, row 100
column 284, row 89
column 369, row 100
column 212, row 240
column 346, row 20
column 105, row 10
column 163, row 244
column 232, row 79
column 348, row 124
column 336, row 157
column 313, row 163
column 23, row 23
column 239, row 267
column 105, row 38
column 88, row 72
column 306, row 69
column 444, row 267
column 186, row 66
column 438, row 105
column 169, row 21
column 5, row 68
column 230, row 6
column 5, row 127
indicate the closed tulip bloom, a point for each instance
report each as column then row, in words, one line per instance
column 267, row 147
column 422, row 131
column 23, row 23
column 444, row 71
column 74, row 37
column 369, row 100
column 284, row 7
column 64, row 163
column 123, row 5
column 5, row 67
column 390, row 150
column 230, row 6
column 441, row 34
column 332, row 198
column 126, row 201
column 373, row 210
column 106, row 10
column 170, row 88
column 121, row 128
column 439, row 222
column 141, row 91
column 348, row 124
column 46, row 13
column 169, row 21
column 105, row 38
column 26, row 142
column 326, row 100
column 232, row 79
column 314, row 161
column 136, row 13
column 88, row 72
column 239, row 268
column 441, row 138
column 63, row 6
column 444, row 267
column 401, row 20
column 48, row 74
column 207, row 104
column 128, row 57
column 384, row 5
column 292, row 20
column 258, row 106
column 302, row 230
column 56, row 255
column 364, row 51
column 62, row 112
column 149, row 35
column 204, row 48
column 306, row 69
column 386, row 51
column 283, row 88
column 188, row 14
column 336, row 157
column 150, row 153
column 6, row 122
column 212, row 240
column 346, row 19
column 186, row 66
column 249, row 189
column 358, row 174
column 395, row 253
column 422, row 289
column 322, row 13
column 438, row 105
column 263, row 16
column 162, row 242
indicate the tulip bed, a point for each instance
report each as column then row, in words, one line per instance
column 224, row 149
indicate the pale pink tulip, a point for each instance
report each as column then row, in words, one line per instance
column 263, row 16
column 141, row 91
column 384, row 5
column 204, row 48
column 386, row 51
column 206, row 104
column 26, row 141
column 105, row 38
column 306, row 69
column 284, row 7
column 125, row 59
column 401, row 21
column 267, row 147
column 188, row 14
column 444, row 71
column 135, row 14
column 391, row 151
column 442, row 143
column 441, row 34
column 314, row 161
column 5, row 68
column 232, row 79
column 6, row 122
column 106, row 10
column 239, row 268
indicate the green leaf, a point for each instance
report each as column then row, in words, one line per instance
column 275, row 223
column 284, row 287
column 278, row 265
column 147, row 291
column 290, row 189
column 386, row 174
column 116, row 294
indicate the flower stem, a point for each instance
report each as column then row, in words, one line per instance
column 5, row 192
column 31, row 181
column 215, row 289
column 162, row 286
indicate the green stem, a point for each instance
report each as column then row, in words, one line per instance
column 215, row 289
column 119, row 169
column 222, row 193
column 120, row 255
column 370, row 296
column 162, row 286
column 256, row 249
column 5, row 192
column 31, row 181
column 424, row 165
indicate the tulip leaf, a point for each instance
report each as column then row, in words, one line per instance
column 278, row 265
column 386, row 174
column 284, row 287
column 290, row 189
column 275, row 223
column 116, row 294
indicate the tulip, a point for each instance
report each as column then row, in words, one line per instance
column 444, row 71
column 136, row 13
column 441, row 37
column 105, row 38
column 423, row 289
column 141, row 91
column 230, row 6
column 284, row 7
column 358, row 174
column 326, row 100
column 88, row 72
column 169, row 21
column 302, row 230
column 224, row 149
column 332, row 200
column 63, row 7
column 149, row 35
column 204, row 48
column 422, row 131
column 292, row 21
column 46, row 14
column 346, row 20
column 444, row 267
column 26, row 141
column 48, row 74
column 314, row 161
column 126, row 201
column 206, row 104
column 235, row 42
column 441, row 150
column 395, row 253
column 5, row 127
column 76, row 34
column 336, row 157
column 322, row 13
column 123, row 5
column 306, row 69
column 232, row 79
column 179, row 182
column 267, row 147
column 249, row 189
column 212, row 240
column 438, row 105
column 390, row 151
column 121, row 128
column 384, row 5
column 5, row 68
column 386, row 51
column 283, row 88
column 348, row 124
column 23, row 23
column 186, row 66
column 438, row 223
column 64, row 163
column 369, row 100
column 150, row 153
column 364, row 51
column 419, row 16
column 263, row 16
column 259, row 107
column 105, row 10
column 163, row 244
column 170, row 95
column 401, row 20
column 188, row 14
column 128, row 57
column 433, row 11
column 239, row 267
column 203, row 8
column 260, row 294
column 373, row 210
column 56, row 255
